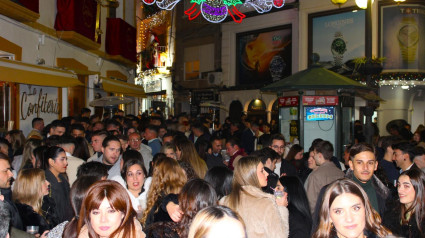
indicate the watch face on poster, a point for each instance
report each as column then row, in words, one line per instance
column 338, row 38
column 402, row 33
column 263, row 56
column 338, row 46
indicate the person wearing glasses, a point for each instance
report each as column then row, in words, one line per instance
column 135, row 143
column 283, row 167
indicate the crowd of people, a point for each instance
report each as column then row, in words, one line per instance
column 148, row 176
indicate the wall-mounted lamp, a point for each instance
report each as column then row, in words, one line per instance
column 338, row 2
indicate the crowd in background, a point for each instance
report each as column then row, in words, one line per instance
column 149, row 176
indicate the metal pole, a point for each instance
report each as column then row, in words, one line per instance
column 369, row 109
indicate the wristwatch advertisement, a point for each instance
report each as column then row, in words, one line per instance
column 338, row 48
column 408, row 38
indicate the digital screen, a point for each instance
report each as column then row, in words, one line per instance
column 319, row 113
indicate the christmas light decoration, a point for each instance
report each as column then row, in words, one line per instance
column 216, row 11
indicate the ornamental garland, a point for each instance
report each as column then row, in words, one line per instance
column 394, row 76
column 216, row 11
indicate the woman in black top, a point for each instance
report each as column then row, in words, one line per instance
column 56, row 162
column 407, row 219
column 300, row 220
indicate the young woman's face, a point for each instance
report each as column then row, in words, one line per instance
column 311, row 162
column 262, row 175
column 105, row 220
column 348, row 215
column 406, row 192
column 59, row 164
column 170, row 153
column 178, row 154
column 416, row 137
column 45, row 187
column 135, row 178
column 299, row 155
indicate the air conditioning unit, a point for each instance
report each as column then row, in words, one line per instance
column 214, row 78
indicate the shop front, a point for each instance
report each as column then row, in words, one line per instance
column 29, row 91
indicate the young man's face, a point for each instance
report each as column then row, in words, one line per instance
column 271, row 164
column 278, row 146
column 363, row 165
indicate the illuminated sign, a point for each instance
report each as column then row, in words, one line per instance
column 319, row 113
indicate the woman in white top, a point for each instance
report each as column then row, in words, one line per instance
column 134, row 173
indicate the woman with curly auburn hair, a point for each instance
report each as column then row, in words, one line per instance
column 346, row 212
column 168, row 177
column 107, row 212
column 186, row 152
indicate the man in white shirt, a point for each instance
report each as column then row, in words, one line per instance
column 96, row 142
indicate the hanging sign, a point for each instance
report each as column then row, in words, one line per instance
column 320, row 100
column 288, row 101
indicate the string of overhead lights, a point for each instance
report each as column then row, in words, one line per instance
column 404, row 80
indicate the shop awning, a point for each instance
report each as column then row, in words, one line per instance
column 116, row 86
column 19, row 72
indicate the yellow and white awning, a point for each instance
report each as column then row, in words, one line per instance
column 116, row 86
column 19, row 72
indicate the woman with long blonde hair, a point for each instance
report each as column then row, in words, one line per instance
column 168, row 177
column 263, row 214
column 186, row 152
column 346, row 212
column 28, row 191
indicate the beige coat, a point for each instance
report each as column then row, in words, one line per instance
column 84, row 233
column 324, row 175
column 262, row 216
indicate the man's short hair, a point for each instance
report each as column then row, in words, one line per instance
column 4, row 142
column 85, row 110
column 122, row 137
column 66, row 140
column 198, row 126
column 76, row 126
column 83, row 119
column 53, row 140
column 361, row 147
column 108, row 139
column 388, row 141
column 213, row 138
column 57, row 123
column 5, row 219
column 92, row 168
column 4, row 157
column 112, row 122
column 406, row 147
column 265, row 154
column 325, row 148
column 153, row 128
column 36, row 120
column 277, row 136
column 234, row 141
column 100, row 133
column 419, row 151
